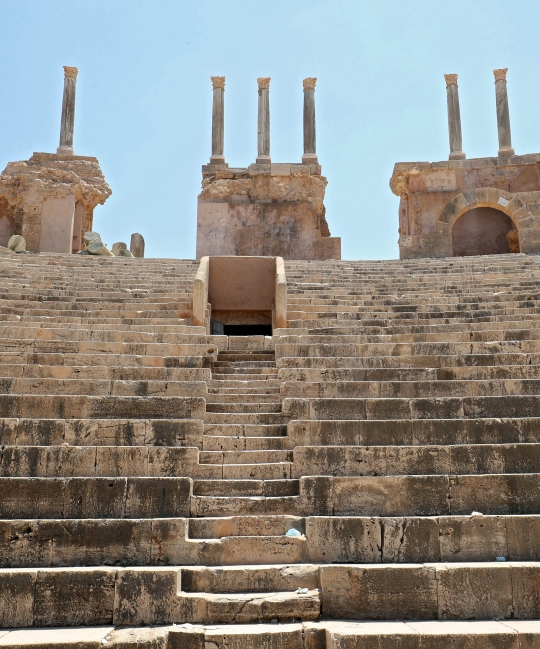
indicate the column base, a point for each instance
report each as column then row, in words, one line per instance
column 65, row 150
column 263, row 160
column 217, row 160
column 310, row 158
column 457, row 155
column 506, row 152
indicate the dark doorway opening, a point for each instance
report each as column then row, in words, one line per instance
column 484, row 231
column 247, row 330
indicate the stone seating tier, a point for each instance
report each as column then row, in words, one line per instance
column 151, row 474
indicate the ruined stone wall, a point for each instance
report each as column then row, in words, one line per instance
column 434, row 195
column 274, row 209
column 58, row 192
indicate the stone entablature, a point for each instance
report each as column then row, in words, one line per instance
column 434, row 195
column 270, row 210
column 49, row 200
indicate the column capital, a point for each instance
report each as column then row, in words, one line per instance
column 264, row 83
column 309, row 83
column 218, row 82
column 500, row 75
column 70, row 72
column 451, row 79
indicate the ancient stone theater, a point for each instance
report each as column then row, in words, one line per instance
column 269, row 447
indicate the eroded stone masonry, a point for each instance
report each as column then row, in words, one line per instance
column 364, row 476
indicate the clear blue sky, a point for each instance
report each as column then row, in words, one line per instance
column 144, row 96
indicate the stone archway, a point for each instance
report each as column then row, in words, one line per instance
column 499, row 201
column 484, row 231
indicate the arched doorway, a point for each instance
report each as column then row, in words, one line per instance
column 484, row 231
column 7, row 223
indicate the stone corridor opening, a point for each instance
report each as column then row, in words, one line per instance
column 484, row 231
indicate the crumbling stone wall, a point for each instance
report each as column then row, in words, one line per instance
column 270, row 210
column 61, row 189
column 434, row 195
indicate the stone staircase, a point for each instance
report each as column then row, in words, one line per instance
column 366, row 478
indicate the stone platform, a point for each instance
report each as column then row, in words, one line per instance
column 367, row 477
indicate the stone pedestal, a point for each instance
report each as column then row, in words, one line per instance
column 68, row 111
column 454, row 118
column 263, row 132
column 271, row 210
column 503, row 114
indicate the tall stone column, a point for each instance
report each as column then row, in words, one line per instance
column 454, row 118
column 503, row 113
column 68, row 111
column 263, row 132
column 218, row 121
column 310, row 142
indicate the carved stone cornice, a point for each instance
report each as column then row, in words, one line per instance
column 500, row 75
column 309, row 83
column 451, row 79
column 218, row 82
column 264, row 83
column 70, row 72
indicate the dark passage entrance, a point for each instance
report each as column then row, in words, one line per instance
column 484, row 231
column 247, row 330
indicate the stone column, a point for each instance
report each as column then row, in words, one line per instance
column 218, row 121
column 454, row 118
column 68, row 111
column 503, row 113
column 263, row 133
column 310, row 142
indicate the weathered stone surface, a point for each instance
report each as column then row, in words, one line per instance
column 99, row 248
column 136, row 245
column 117, row 247
column 17, row 243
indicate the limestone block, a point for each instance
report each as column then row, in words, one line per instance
column 17, row 589
column 146, row 596
column 191, row 638
column 17, row 243
column 346, row 540
column 126, row 253
column 158, row 497
column 136, row 245
column 410, row 540
column 138, row 638
column 119, row 245
column 74, row 597
column 77, row 638
column 91, row 237
column 94, row 498
column 99, row 248
column 379, row 592
column 477, row 538
column 481, row 592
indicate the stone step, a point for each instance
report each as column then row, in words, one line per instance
column 203, row 506
column 270, row 488
column 242, row 608
column 100, row 407
column 105, row 387
column 242, row 418
column 101, row 432
column 240, row 407
column 94, row 373
column 246, row 430
column 404, row 389
column 261, row 539
column 221, row 443
column 243, row 396
column 245, row 457
column 407, row 432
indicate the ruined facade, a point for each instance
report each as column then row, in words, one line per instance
column 50, row 198
column 463, row 207
column 266, row 208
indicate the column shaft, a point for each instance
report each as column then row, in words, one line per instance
column 68, row 111
column 454, row 118
column 263, row 131
column 310, row 142
column 503, row 113
column 218, row 121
